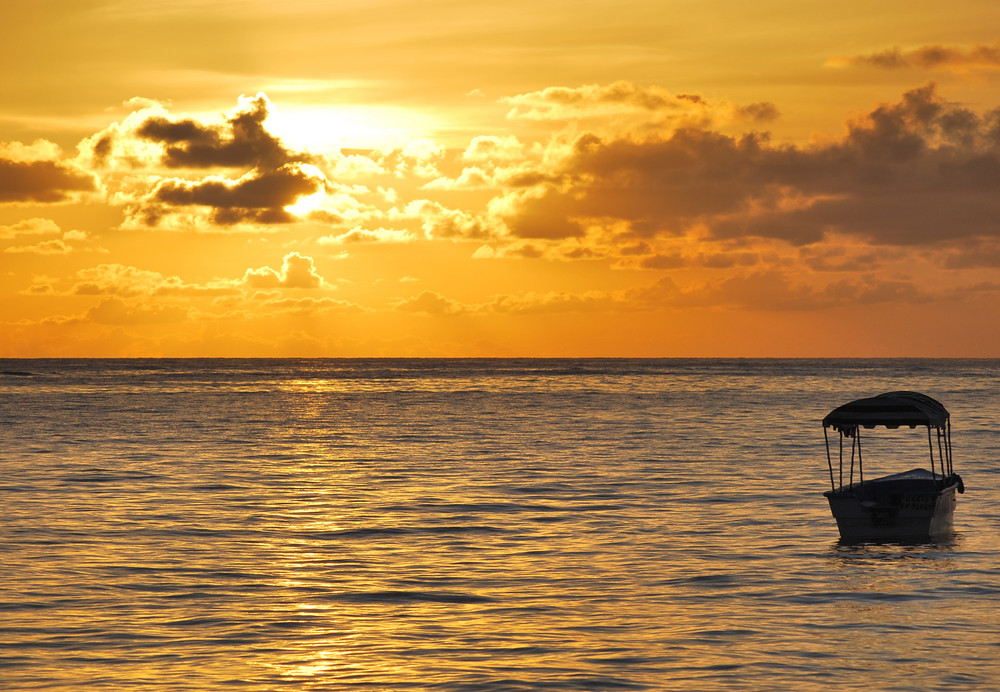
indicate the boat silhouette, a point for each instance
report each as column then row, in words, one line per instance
column 908, row 506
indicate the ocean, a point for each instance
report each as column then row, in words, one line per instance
column 477, row 525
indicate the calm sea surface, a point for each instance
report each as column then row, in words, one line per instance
column 476, row 525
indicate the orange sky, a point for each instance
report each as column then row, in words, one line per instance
column 389, row 178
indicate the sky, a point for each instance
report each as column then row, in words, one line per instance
column 244, row 178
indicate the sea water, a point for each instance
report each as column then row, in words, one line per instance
column 477, row 525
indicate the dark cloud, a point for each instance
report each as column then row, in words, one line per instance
column 970, row 254
column 41, row 181
column 761, row 112
column 978, row 56
column 258, row 197
column 242, row 142
column 711, row 260
column 916, row 171
column 829, row 257
column 103, row 148
column 545, row 217
column 272, row 178
column 657, row 185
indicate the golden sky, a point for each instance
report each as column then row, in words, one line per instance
column 392, row 178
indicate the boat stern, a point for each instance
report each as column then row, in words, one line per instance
column 866, row 515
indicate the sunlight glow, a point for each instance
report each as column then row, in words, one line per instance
column 306, row 203
column 326, row 129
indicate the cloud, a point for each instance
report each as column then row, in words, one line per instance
column 759, row 289
column 762, row 290
column 419, row 158
column 772, row 290
column 117, row 280
column 554, row 302
column 916, row 171
column 352, row 166
column 257, row 196
column 439, row 221
column 39, row 226
column 491, row 150
column 47, row 247
column 936, row 57
column 763, row 111
column 40, row 288
column 472, row 178
column 677, row 260
column 431, row 303
column 364, row 235
column 43, row 181
column 563, row 102
column 39, row 150
column 651, row 104
column 130, row 282
column 241, row 142
column 520, row 250
column 297, row 271
column 116, row 312
column 970, row 254
column 124, row 281
column 26, row 227
column 308, row 305
column 166, row 170
column 842, row 255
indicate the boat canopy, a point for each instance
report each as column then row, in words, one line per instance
column 892, row 410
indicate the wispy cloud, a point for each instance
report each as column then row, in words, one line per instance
column 934, row 57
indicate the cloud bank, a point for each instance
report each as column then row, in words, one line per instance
column 921, row 170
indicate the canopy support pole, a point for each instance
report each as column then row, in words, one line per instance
column 947, row 446
column 854, row 444
column 829, row 461
column 944, row 465
column 841, row 468
column 931, row 445
column 861, row 463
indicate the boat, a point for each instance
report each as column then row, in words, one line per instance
column 910, row 506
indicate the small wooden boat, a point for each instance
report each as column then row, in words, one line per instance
column 911, row 506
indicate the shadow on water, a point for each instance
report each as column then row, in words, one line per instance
column 945, row 547
column 944, row 543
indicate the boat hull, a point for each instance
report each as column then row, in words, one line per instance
column 902, row 508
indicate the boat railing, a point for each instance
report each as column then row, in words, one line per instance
column 941, row 467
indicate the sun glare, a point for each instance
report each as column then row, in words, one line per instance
column 322, row 129
column 306, row 203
